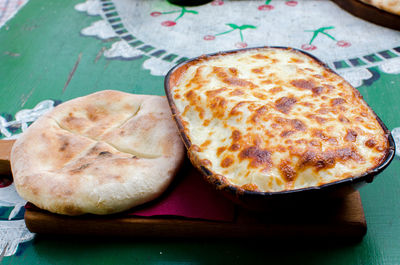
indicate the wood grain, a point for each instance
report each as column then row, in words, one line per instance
column 370, row 13
column 340, row 219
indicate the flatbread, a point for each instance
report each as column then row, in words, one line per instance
column 391, row 6
column 101, row 154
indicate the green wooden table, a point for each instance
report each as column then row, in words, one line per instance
column 46, row 55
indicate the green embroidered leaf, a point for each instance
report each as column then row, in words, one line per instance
column 247, row 27
column 233, row 26
column 325, row 28
column 192, row 11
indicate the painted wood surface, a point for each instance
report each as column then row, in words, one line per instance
column 43, row 56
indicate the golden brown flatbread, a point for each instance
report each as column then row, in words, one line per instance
column 101, row 154
column 391, row 6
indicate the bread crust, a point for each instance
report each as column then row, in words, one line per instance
column 101, row 154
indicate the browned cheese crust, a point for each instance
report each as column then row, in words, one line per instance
column 273, row 120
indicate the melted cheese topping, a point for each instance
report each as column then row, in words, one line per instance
column 275, row 119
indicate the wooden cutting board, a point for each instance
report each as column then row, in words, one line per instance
column 370, row 13
column 342, row 219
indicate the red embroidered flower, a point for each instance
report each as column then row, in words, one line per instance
column 168, row 23
column 155, row 14
column 265, row 7
column 209, row 37
column 241, row 44
column 343, row 43
column 217, row 3
column 308, row 47
column 291, row 3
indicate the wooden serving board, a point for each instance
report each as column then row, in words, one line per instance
column 370, row 13
column 342, row 219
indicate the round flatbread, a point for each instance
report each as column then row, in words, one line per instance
column 101, row 154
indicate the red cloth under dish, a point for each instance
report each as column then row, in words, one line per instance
column 191, row 198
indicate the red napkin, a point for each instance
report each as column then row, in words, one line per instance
column 191, row 198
